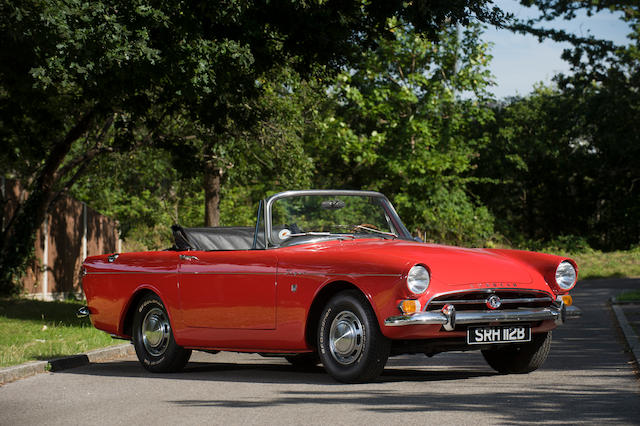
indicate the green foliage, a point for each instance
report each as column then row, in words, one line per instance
column 629, row 296
column 141, row 189
column 398, row 124
column 565, row 166
column 80, row 79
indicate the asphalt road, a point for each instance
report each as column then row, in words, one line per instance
column 588, row 378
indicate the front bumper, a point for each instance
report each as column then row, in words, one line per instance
column 448, row 317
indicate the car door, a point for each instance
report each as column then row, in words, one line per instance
column 228, row 289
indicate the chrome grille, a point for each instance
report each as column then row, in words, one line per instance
column 477, row 300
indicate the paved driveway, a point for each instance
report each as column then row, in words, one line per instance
column 588, row 378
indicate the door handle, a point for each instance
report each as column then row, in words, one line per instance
column 188, row 257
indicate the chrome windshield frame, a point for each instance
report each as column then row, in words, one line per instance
column 403, row 233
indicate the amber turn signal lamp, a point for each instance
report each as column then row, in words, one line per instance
column 409, row 306
column 567, row 299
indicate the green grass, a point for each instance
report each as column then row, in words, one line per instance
column 33, row 330
column 629, row 296
column 617, row 264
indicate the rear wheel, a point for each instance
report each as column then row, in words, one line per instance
column 350, row 345
column 521, row 358
column 153, row 339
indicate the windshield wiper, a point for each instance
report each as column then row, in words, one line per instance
column 320, row 234
column 377, row 231
column 354, row 227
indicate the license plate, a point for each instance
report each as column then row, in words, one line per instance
column 498, row 334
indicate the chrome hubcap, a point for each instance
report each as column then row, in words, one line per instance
column 346, row 337
column 156, row 331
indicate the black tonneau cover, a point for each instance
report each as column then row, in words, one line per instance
column 214, row 238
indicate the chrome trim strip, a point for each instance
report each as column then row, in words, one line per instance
column 553, row 313
column 304, row 274
column 228, row 273
column 399, row 276
column 176, row 272
column 369, row 275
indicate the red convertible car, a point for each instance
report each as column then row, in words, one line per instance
column 329, row 277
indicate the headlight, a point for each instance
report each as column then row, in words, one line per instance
column 418, row 279
column 566, row 275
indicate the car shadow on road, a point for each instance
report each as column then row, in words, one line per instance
column 271, row 371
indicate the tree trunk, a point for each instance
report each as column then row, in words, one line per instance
column 212, row 186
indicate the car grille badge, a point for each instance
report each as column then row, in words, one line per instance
column 494, row 302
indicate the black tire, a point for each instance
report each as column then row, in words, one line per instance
column 521, row 358
column 361, row 351
column 304, row 362
column 153, row 338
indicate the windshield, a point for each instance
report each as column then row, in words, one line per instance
column 333, row 214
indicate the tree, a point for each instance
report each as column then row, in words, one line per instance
column 96, row 77
column 268, row 150
column 141, row 190
column 568, row 157
column 533, row 162
column 399, row 126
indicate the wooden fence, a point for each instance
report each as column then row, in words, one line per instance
column 71, row 232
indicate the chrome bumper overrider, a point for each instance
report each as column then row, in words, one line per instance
column 448, row 316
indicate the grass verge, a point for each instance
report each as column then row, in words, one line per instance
column 618, row 264
column 32, row 330
column 629, row 296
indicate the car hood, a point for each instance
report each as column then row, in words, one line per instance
column 448, row 265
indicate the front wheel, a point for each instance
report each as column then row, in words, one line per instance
column 351, row 347
column 521, row 358
column 153, row 339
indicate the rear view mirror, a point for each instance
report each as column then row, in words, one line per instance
column 333, row 204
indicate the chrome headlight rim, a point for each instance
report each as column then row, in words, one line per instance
column 418, row 279
column 566, row 275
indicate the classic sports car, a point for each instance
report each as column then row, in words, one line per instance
column 329, row 277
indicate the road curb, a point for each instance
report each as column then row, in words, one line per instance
column 22, row 371
column 633, row 341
